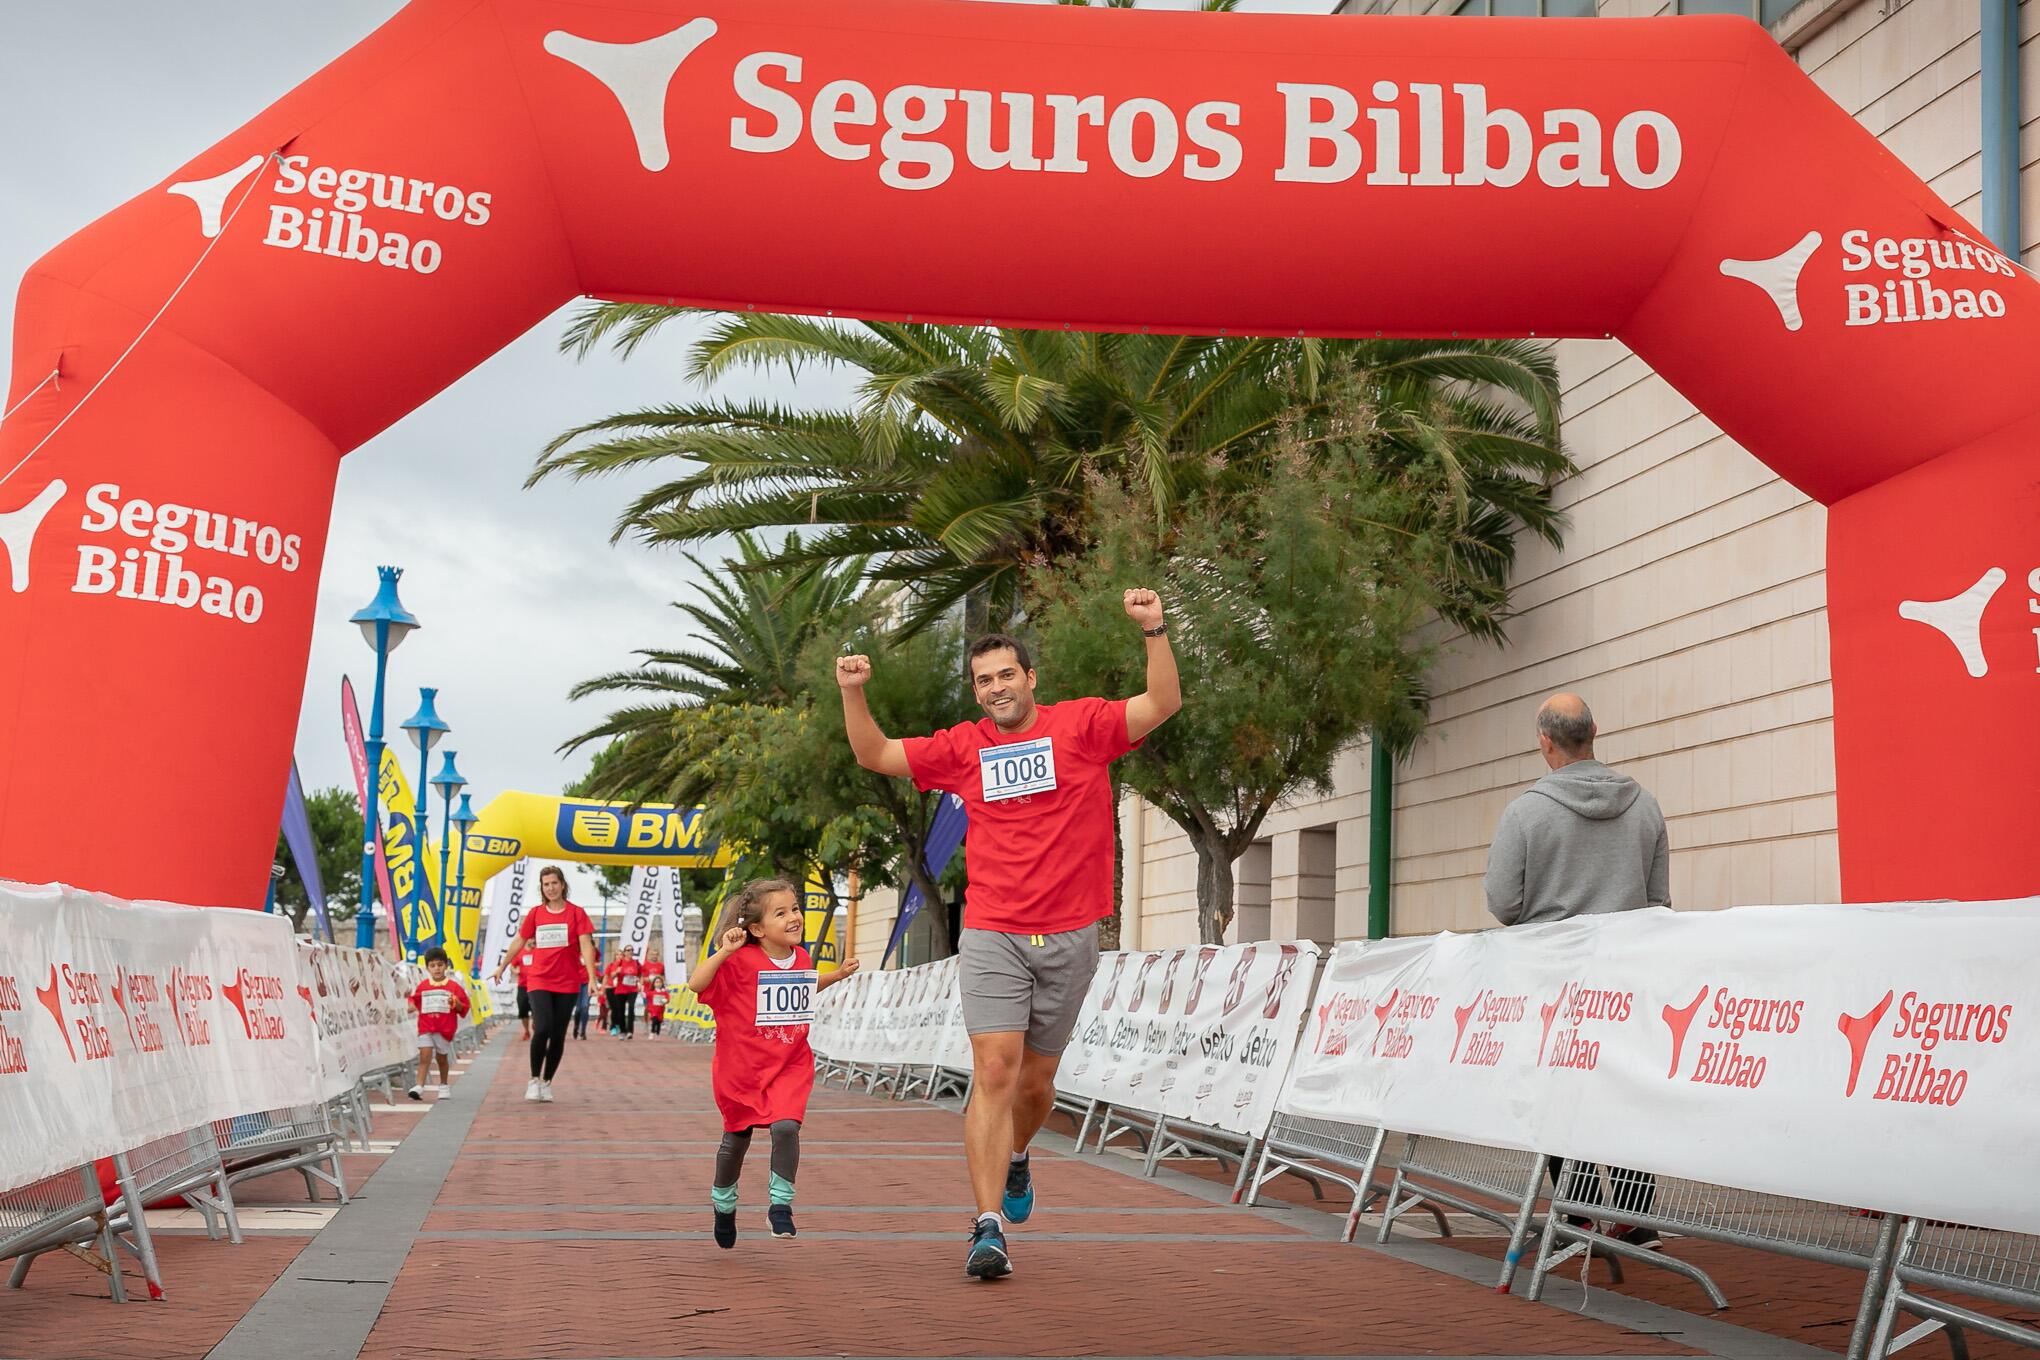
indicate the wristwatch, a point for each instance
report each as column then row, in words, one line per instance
column 1159, row 630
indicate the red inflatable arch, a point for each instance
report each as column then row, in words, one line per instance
column 189, row 370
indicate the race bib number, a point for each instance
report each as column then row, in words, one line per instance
column 1022, row 768
column 437, row 1003
column 552, row 937
column 786, row 998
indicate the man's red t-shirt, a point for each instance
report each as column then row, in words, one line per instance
column 654, row 977
column 555, row 936
column 439, row 1016
column 762, row 1072
column 1039, row 851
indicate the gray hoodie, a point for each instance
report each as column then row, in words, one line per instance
column 1583, row 840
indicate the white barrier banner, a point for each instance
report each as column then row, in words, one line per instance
column 121, row 1023
column 1203, row 1034
column 504, row 900
column 1878, row 1057
column 362, row 1012
column 1240, row 1011
column 651, row 888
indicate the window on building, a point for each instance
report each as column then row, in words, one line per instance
column 1765, row 12
column 1528, row 9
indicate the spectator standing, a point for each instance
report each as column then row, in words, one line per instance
column 1582, row 841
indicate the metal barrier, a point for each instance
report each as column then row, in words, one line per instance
column 1467, row 1176
column 1583, row 1210
column 61, row 1213
column 1171, row 1137
column 1982, row 1263
column 1317, row 1150
column 299, row 1139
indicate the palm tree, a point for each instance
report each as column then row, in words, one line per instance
column 970, row 453
column 757, row 615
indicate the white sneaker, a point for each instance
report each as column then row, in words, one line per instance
column 545, row 1091
column 533, row 1089
column 414, row 1094
column 444, row 1091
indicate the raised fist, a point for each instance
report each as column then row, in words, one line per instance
column 1144, row 607
column 853, row 671
column 733, row 938
column 850, row 966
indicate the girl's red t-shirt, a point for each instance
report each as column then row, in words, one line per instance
column 654, row 976
column 764, row 1070
column 555, row 939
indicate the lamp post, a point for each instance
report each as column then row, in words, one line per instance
column 384, row 623
column 427, row 728
column 449, row 782
column 465, row 819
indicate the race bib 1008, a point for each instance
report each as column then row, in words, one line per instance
column 552, row 937
column 437, row 1003
column 1022, row 768
column 786, row 998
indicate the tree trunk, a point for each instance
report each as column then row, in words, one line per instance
column 1214, row 888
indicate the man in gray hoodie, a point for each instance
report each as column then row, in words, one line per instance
column 1583, row 840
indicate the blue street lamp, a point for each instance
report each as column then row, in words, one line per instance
column 448, row 782
column 427, row 728
column 465, row 819
column 385, row 623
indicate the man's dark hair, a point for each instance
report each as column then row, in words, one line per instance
column 992, row 642
column 437, row 955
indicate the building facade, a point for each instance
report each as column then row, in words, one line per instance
column 1688, row 604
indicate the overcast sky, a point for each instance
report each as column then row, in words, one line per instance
column 520, row 593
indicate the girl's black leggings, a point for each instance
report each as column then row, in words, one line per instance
column 551, row 1013
column 729, row 1158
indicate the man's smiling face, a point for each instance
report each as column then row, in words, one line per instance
column 1003, row 688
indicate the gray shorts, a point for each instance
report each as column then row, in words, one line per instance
column 438, row 1043
column 1031, row 984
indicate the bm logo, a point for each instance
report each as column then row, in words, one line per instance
column 594, row 829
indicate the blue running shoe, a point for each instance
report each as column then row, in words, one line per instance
column 1018, row 1203
column 987, row 1259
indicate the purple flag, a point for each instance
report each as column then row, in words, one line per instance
column 944, row 836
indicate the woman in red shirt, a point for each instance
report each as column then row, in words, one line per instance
column 561, row 940
column 623, row 989
column 761, row 985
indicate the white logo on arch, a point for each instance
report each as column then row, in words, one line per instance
column 639, row 75
column 17, row 530
column 1778, row 277
column 1959, row 618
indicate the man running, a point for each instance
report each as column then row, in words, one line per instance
column 1039, row 851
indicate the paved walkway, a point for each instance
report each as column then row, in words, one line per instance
column 496, row 1228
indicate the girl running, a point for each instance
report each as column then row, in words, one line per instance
column 761, row 984
column 561, row 939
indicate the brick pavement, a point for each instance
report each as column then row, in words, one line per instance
column 579, row 1230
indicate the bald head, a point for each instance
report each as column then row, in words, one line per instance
column 1565, row 730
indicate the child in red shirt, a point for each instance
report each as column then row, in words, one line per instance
column 655, row 1001
column 439, row 1002
column 761, row 984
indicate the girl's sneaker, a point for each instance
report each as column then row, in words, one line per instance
column 725, row 1230
column 780, row 1216
column 533, row 1088
column 415, row 1093
column 545, row 1092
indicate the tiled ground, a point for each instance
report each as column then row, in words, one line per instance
column 578, row 1230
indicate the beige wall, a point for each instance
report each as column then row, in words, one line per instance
column 1688, row 606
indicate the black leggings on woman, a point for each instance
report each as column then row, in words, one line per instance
column 551, row 1013
column 623, row 1010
